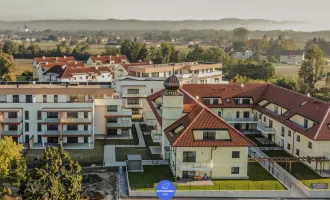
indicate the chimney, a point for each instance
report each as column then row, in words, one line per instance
column 56, row 58
column 43, row 57
column 98, row 56
column 109, row 57
column 96, row 67
column 46, row 63
column 75, row 62
column 64, row 57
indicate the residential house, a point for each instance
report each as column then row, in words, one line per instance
column 292, row 57
column 107, row 60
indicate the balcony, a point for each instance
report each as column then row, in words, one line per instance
column 51, row 133
column 76, row 120
column 120, row 124
column 133, row 106
column 122, row 113
column 208, row 74
column 264, row 128
column 127, row 95
column 12, row 133
column 17, row 120
column 156, row 136
column 76, row 133
column 149, row 118
column 192, row 166
column 233, row 120
column 51, row 120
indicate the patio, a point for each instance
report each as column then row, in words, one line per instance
column 265, row 141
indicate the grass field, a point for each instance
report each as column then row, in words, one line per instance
column 259, row 179
column 299, row 170
column 22, row 65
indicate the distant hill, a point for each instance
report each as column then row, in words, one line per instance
column 116, row 24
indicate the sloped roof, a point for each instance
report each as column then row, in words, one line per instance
column 68, row 72
column 126, row 66
column 107, row 59
column 54, row 59
column 49, row 65
column 292, row 53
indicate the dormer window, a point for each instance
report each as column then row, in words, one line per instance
column 178, row 129
column 209, row 101
column 208, row 135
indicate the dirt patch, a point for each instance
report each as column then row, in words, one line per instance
column 100, row 185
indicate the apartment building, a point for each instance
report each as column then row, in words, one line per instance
column 144, row 80
column 297, row 123
column 40, row 63
column 195, row 140
column 46, row 115
column 292, row 57
column 107, row 60
column 67, row 73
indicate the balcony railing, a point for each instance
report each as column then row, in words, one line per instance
column 265, row 128
column 124, row 112
column 51, row 120
column 134, row 95
column 73, row 132
column 196, row 165
column 12, row 133
column 76, row 120
column 123, row 123
column 11, row 120
column 133, row 105
column 241, row 120
column 51, row 132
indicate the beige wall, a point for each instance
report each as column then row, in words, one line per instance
column 300, row 120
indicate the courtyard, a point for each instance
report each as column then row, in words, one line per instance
column 259, row 179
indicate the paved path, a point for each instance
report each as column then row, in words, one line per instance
column 109, row 155
column 123, row 185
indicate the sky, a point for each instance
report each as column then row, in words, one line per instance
column 279, row 10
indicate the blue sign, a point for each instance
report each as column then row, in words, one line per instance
column 319, row 186
column 165, row 190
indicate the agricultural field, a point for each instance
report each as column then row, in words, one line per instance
column 22, row 66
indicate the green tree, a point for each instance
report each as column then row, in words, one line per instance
column 257, row 45
column 6, row 64
column 12, row 166
column 286, row 82
column 244, row 79
column 196, row 53
column 240, row 34
column 178, row 56
column 215, row 54
column 111, row 51
column 53, row 38
column 10, row 47
column 312, row 68
column 56, row 177
column 167, row 50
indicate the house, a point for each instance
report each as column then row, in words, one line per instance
column 107, row 60
column 191, row 133
column 292, row 57
column 295, row 122
column 113, row 45
column 243, row 54
column 65, row 73
column 43, row 67
column 73, row 116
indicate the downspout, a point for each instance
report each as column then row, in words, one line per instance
column 212, row 148
column 294, row 133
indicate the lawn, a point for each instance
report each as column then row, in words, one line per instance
column 299, row 170
column 259, row 179
column 122, row 152
column 22, row 65
column 133, row 141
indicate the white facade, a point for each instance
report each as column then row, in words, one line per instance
column 292, row 59
column 244, row 54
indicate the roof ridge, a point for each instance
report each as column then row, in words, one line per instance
column 66, row 68
column 321, row 124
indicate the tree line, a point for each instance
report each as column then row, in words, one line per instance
column 55, row 175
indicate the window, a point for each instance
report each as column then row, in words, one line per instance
column 39, row 127
column 152, row 90
column 310, row 145
column 85, row 127
column 72, row 115
column 26, row 127
column 169, row 73
column 12, row 114
column 245, row 101
column 289, row 133
column 38, row 115
column 270, row 123
column 12, row 127
column 176, row 72
column 207, row 101
column 85, row 139
column 237, row 114
column 236, row 101
column 275, row 108
column 219, row 113
column 55, row 98
column 52, row 115
column 85, row 114
column 132, row 91
column 189, row 156
column 264, row 119
column 135, row 111
column 133, row 102
column 145, row 74
column 215, row 101
column 52, row 127
column 260, row 116
column 246, row 114
column 305, row 123
column 112, row 120
column 297, row 152
column 26, row 115
column 155, row 74
column 235, row 154
column 208, row 135
column 288, row 146
column 44, row 98
column 235, row 170
column 28, row 98
column 72, row 127
column 282, row 131
column 15, row 98
column 298, row 138
column 228, row 100
column 178, row 129
column 112, row 108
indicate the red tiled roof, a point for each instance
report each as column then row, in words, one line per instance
column 55, row 59
column 107, row 59
column 52, row 64
column 67, row 72
column 126, row 66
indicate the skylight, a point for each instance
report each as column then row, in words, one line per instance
column 303, row 103
column 228, row 100
column 178, row 129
